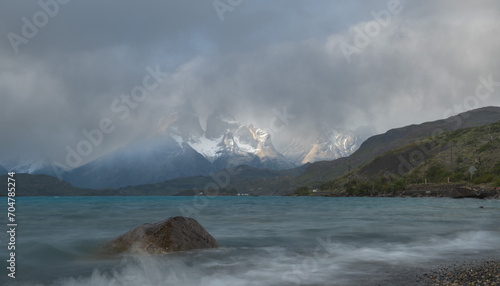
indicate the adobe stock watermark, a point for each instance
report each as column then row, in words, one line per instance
column 483, row 91
column 303, row 271
column 40, row 19
column 281, row 120
column 223, row 6
column 121, row 106
column 363, row 38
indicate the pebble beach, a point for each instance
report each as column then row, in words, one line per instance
column 467, row 273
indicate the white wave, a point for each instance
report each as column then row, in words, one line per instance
column 327, row 263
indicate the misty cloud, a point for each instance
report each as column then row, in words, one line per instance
column 263, row 57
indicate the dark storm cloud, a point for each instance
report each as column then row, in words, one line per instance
column 264, row 56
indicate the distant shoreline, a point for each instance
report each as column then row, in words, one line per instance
column 413, row 195
column 46, row 186
column 456, row 191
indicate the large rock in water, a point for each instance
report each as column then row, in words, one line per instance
column 173, row 234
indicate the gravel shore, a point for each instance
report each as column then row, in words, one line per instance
column 468, row 273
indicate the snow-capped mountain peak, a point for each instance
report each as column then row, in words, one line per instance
column 206, row 147
column 323, row 145
column 332, row 145
column 176, row 145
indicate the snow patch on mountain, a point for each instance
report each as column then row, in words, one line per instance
column 332, row 145
column 325, row 145
column 206, row 147
column 245, row 147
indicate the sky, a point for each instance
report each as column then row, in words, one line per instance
column 70, row 67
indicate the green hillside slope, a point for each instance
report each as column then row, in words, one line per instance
column 394, row 138
column 470, row 156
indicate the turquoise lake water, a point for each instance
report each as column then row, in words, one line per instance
column 264, row 240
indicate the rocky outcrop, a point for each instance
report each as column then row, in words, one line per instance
column 170, row 235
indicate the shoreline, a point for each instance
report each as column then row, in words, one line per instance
column 482, row 271
column 467, row 271
column 455, row 191
column 486, row 272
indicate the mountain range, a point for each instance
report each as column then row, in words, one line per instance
column 175, row 145
column 466, row 155
column 319, row 174
column 379, row 144
column 446, row 147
